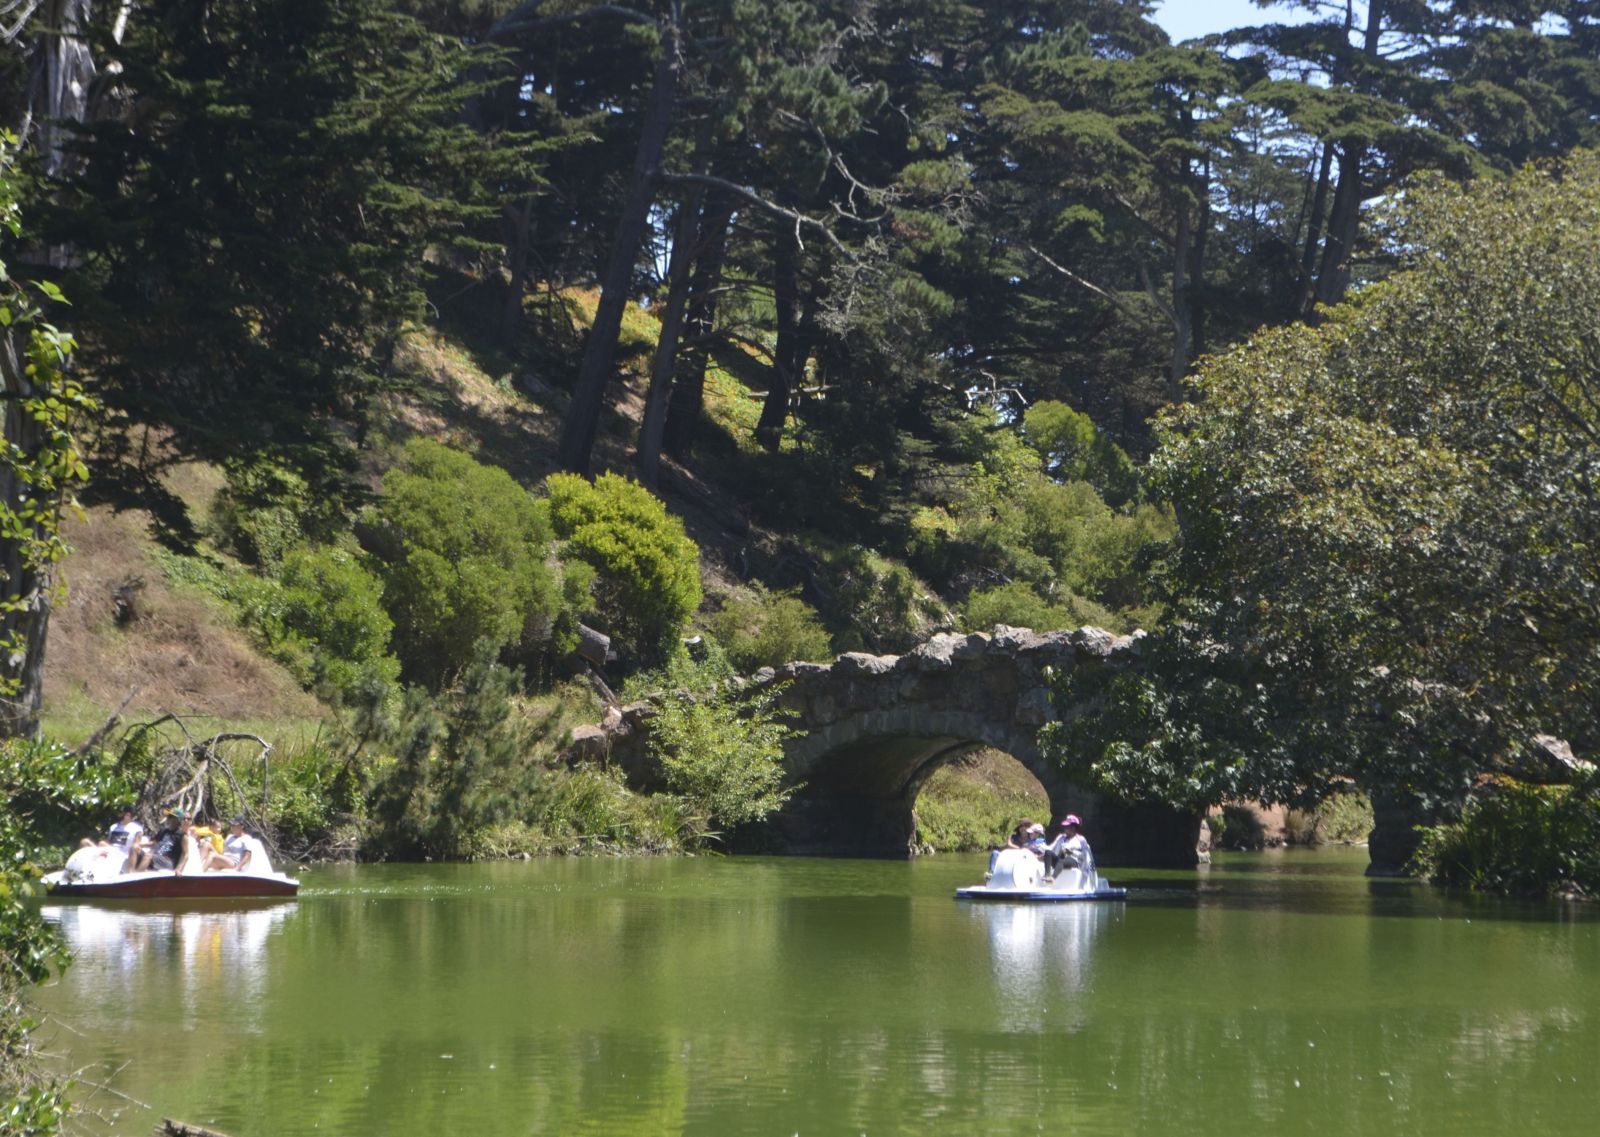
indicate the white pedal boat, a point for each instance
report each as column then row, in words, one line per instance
column 167, row 886
column 1019, row 875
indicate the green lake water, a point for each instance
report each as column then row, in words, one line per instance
column 1278, row 993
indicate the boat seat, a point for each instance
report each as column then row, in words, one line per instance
column 1016, row 868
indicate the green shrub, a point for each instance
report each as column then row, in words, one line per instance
column 51, row 796
column 463, row 551
column 1020, row 605
column 1345, row 819
column 1520, row 839
column 591, row 808
column 1074, row 450
column 879, row 604
column 265, row 510
column 765, row 628
column 647, row 570
column 723, row 755
column 335, row 604
column 960, row 810
column 1009, row 520
column 463, row 763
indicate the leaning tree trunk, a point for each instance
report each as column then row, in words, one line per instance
column 576, row 447
column 653, row 428
column 1182, row 315
column 519, row 237
column 26, row 578
column 689, row 386
column 1333, row 277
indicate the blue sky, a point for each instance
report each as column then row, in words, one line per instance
column 1185, row 19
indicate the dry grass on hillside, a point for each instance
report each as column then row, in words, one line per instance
column 178, row 649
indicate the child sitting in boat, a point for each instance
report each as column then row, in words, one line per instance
column 1027, row 835
column 164, row 851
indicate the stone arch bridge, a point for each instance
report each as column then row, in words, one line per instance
column 872, row 728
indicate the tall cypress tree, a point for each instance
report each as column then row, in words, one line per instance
column 251, row 227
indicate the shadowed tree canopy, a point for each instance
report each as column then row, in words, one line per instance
column 250, row 223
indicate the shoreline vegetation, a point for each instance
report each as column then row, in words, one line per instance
column 414, row 377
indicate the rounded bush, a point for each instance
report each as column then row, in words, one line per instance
column 463, row 548
column 647, row 570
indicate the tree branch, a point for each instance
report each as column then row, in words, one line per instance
column 1105, row 294
column 745, row 193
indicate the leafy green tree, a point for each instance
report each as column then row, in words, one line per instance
column 462, row 550
column 1388, row 550
column 647, row 570
column 1522, row 839
column 334, row 606
column 1006, row 521
column 39, row 465
column 1020, row 605
column 1075, row 450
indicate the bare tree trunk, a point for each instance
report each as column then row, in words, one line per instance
column 1197, row 271
column 519, row 222
column 787, row 354
column 1344, row 221
column 576, row 447
column 1314, row 219
column 1182, row 321
column 1333, row 277
column 689, row 387
column 653, row 429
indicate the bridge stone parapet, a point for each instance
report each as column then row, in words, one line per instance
column 871, row 729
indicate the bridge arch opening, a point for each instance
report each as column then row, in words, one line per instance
column 973, row 801
column 861, row 776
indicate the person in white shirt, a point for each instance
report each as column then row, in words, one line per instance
column 244, row 853
column 126, row 834
column 1069, row 849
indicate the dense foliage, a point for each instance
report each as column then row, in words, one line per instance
column 1387, row 562
column 722, row 753
column 768, row 629
column 461, row 765
column 43, row 786
column 1522, row 839
column 249, row 307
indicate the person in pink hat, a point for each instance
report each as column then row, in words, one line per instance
column 1068, row 849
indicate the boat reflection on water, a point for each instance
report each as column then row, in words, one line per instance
column 1042, row 956
column 195, row 954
